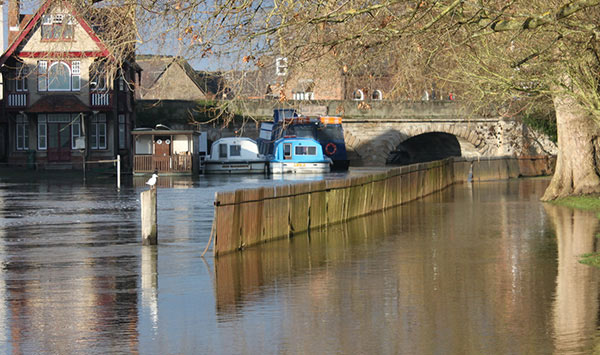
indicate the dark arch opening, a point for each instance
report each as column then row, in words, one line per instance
column 425, row 147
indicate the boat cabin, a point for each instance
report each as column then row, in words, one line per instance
column 165, row 151
column 299, row 155
column 235, row 155
column 234, row 148
column 299, row 150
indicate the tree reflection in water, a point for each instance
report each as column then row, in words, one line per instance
column 575, row 310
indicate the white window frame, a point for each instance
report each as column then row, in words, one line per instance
column 42, row 138
column 42, row 75
column 287, row 146
column 98, row 76
column 22, row 73
column 43, row 80
column 361, row 96
column 22, row 132
column 377, row 95
column 64, row 64
column 98, row 120
column 75, row 75
column 49, row 20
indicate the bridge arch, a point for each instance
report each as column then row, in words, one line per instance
column 387, row 146
column 425, row 147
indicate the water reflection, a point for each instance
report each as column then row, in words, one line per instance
column 475, row 269
column 575, row 311
column 240, row 277
column 464, row 271
column 149, row 281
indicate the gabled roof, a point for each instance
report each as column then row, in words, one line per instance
column 155, row 66
column 36, row 18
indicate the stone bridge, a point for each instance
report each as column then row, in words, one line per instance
column 377, row 141
column 380, row 132
column 377, row 132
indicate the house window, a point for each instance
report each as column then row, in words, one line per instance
column 75, row 131
column 303, row 150
column 98, row 131
column 59, row 76
column 42, row 75
column 21, row 77
column 98, row 75
column 22, row 132
column 122, row 131
column 358, row 95
column 57, row 27
column 281, row 66
column 222, row 151
column 75, row 75
column 377, row 95
column 42, row 132
column 304, row 96
column 235, row 150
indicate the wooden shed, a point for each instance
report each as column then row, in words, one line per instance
column 166, row 151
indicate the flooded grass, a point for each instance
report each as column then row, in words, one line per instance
column 586, row 203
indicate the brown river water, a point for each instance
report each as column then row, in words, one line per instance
column 481, row 268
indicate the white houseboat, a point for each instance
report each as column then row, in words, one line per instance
column 235, row 155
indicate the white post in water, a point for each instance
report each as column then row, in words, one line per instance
column 149, row 228
column 118, row 171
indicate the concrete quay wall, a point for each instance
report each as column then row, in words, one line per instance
column 248, row 217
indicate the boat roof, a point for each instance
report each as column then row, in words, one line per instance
column 303, row 139
column 235, row 138
column 162, row 132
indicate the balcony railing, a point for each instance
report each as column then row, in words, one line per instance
column 17, row 100
column 100, row 99
column 166, row 164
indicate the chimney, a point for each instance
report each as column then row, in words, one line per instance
column 14, row 7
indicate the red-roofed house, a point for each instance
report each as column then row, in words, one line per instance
column 66, row 92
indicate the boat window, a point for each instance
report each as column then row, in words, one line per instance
column 235, row 150
column 287, row 151
column 222, row 150
column 304, row 150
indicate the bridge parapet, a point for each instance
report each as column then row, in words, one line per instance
column 356, row 110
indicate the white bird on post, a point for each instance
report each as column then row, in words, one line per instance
column 152, row 181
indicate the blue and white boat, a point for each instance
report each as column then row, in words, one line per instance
column 298, row 155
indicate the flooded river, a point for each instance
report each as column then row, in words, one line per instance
column 477, row 269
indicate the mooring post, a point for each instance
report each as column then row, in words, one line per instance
column 149, row 227
column 118, row 171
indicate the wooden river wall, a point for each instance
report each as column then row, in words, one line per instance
column 248, row 217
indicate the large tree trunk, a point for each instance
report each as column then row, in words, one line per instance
column 576, row 170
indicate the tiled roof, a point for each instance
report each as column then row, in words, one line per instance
column 58, row 103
